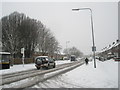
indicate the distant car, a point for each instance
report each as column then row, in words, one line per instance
column 73, row 58
column 65, row 58
column 44, row 61
column 117, row 59
column 101, row 58
column 96, row 57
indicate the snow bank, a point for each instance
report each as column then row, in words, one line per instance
column 17, row 68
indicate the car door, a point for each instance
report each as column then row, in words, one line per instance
column 51, row 62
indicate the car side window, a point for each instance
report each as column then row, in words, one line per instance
column 47, row 59
column 43, row 59
column 51, row 59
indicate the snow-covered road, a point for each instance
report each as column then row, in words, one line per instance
column 30, row 79
column 86, row 76
column 17, row 68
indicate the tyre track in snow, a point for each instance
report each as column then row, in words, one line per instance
column 9, row 75
column 46, row 77
column 4, row 76
column 10, row 78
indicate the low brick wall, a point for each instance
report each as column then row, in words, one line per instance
column 19, row 61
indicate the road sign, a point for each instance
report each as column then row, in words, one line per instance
column 94, row 48
column 22, row 50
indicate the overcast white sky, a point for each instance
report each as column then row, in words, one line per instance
column 73, row 26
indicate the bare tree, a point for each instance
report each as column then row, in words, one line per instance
column 20, row 31
column 9, row 31
column 47, row 43
column 73, row 51
column 28, row 33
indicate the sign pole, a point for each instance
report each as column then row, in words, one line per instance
column 23, row 55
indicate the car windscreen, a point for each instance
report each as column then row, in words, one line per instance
column 42, row 58
column 50, row 59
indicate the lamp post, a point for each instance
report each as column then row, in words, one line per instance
column 67, row 47
column 93, row 47
column 67, row 43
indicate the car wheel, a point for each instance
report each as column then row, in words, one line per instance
column 54, row 65
column 38, row 68
column 9, row 66
column 48, row 66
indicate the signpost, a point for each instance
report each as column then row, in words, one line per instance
column 23, row 55
column 94, row 48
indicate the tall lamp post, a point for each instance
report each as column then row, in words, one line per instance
column 67, row 43
column 93, row 47
column 67, row 47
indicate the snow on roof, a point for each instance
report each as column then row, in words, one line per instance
column 110, row 47
column 117, row 44
column 4, row 53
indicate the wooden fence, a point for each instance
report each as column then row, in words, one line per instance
column 19, row 61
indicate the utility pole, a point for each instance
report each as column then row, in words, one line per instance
column 67, row 48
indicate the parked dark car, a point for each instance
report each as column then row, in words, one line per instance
column 117, row 59
column 44, row 61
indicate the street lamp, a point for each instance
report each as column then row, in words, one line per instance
column 93, row 47
column 67, row 47
column 67, row 43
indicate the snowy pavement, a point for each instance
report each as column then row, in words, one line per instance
column 17, row 68
column 86, row 76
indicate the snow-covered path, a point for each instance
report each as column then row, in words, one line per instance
column 86, row 76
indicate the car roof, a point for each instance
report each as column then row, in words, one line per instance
column 41, row 56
